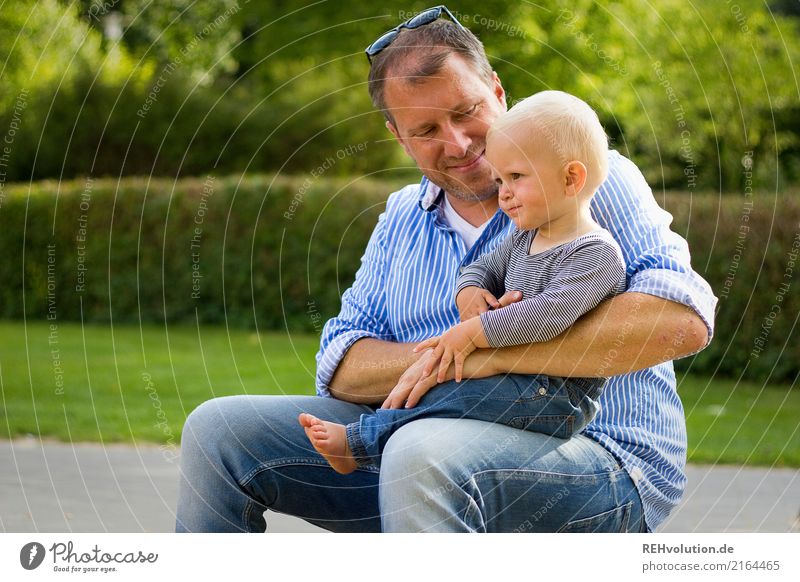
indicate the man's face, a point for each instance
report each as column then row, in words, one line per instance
column 442, row 121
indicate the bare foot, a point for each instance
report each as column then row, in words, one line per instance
column 330, row 440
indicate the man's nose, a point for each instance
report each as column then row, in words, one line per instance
column 456, row 141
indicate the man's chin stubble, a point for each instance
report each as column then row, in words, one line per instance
column 462, row 193
column 472, row 196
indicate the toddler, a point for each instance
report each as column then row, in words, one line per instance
column 549, row 154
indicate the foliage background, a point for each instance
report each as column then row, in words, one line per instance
column 267, row 86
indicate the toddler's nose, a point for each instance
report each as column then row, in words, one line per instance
column 504, row 193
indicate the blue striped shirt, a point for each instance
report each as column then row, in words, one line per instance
column 403, row 292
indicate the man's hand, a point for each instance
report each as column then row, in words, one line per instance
column 453, row 347
column 472, row 301
column 407, row 382
column 420, row 389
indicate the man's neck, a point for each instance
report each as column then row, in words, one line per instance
column 476, row 212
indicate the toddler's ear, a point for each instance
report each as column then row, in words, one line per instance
column 574, row 177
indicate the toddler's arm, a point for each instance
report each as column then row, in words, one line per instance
column 591, row 273
column 489, row 271
column 453, row 346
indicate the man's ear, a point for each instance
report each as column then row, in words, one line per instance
column 497, row 89
column 390, row 126
column 574, row 177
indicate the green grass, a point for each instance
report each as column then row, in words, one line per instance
column 106, row 395
column 745, row 423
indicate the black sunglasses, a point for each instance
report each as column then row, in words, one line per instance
column 421, row 19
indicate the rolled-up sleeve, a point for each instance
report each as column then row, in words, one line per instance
column 657, row 259
column 363, row 312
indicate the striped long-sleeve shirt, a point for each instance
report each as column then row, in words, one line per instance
column 403, row 292
column 558, row 285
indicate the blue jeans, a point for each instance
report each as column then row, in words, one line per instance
column 243, row 455
column 559, row 407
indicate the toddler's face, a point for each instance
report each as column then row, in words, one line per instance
column 530, row 176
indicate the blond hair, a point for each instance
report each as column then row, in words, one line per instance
column 568, row 124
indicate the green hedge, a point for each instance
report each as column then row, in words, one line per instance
column 277, row 252
column 748, row 249
column 266, row 252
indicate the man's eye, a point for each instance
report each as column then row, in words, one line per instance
column 468, row 114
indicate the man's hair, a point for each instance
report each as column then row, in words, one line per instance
column 568, row 125
column 420, row 53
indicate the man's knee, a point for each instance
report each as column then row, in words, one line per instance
column 198, row 427
column 209, row 423
column 422, row 474
column 421, row 447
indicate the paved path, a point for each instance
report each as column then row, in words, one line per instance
column 57, row 487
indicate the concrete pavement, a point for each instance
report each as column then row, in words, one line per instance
column 61, row 487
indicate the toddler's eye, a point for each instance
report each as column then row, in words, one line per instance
column 498, row 181
column 515, row 176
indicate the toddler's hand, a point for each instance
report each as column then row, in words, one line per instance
column 453, row 347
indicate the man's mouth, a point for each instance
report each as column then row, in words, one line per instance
column 467, row 165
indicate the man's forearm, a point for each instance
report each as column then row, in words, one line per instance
column 370, row 369
column 627, row 333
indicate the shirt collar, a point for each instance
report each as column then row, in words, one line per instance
column 429, row 194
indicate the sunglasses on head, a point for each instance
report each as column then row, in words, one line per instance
column 421, row 19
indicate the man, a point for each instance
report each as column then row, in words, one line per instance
column 246, row 454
